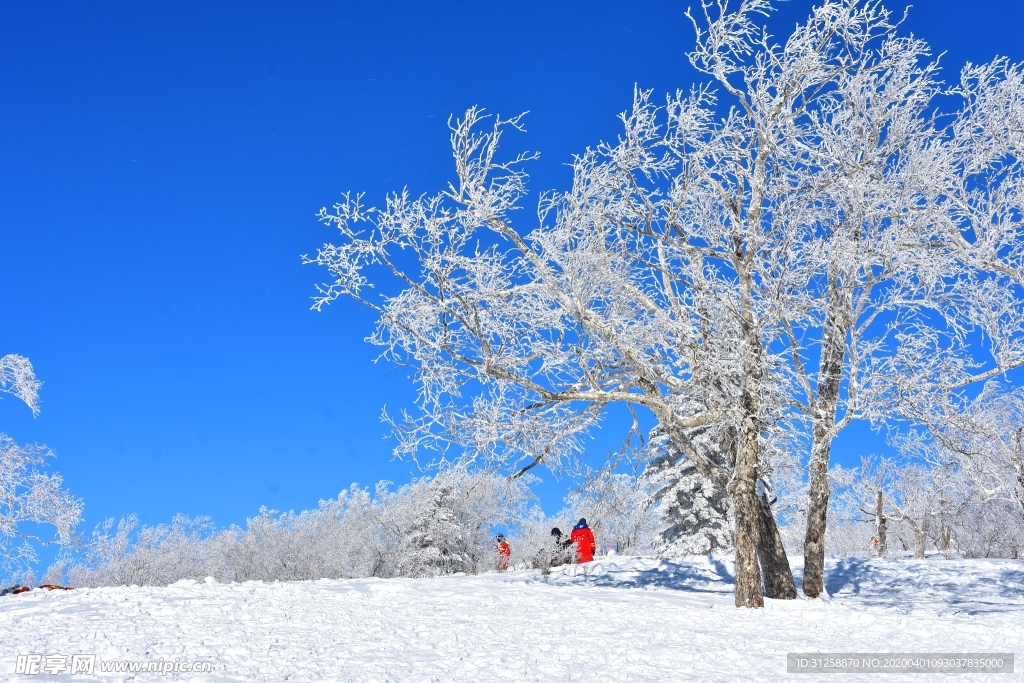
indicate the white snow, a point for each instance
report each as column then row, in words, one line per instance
column 617, row 619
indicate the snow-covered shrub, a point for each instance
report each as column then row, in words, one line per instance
column 619, row 510
column 533, row 547
column 131, row 553
column 428, row 527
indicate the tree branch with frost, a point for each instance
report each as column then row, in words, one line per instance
column 19, row 379
column 29, row 496
column 981, row 435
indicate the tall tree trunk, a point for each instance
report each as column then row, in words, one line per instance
column 743, row 489
column 1017, row 460
column 830, row 374
column 945, row 538
column 881, row 525
column 778, row 577
column 743, row 485
column 921, row 538
column 817, row 512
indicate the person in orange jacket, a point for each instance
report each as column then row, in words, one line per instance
column 583, row 538
column 504, row 551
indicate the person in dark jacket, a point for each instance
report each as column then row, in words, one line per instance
column 561, row 550
column 583, row 538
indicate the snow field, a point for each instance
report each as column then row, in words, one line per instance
column 617, row 619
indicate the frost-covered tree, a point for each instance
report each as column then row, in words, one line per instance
column 845, row 115
column 936, row 497
column 133, row 554
column 772, row 253
column 695, row 513
column 983, row 436
column 977, row 446
column 30, row 497
column 994, row 529
column 911, row 493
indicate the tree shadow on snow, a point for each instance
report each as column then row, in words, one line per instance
column 966, row 586
column 702, row 575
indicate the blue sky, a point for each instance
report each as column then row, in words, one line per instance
column 160, row 168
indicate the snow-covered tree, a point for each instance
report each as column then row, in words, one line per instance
column 983, row 436
column 134, row 554
column 957, row 500
column 993, row 529
column 975, row 448
column 30, row 497
column 847, row 107
column 911, row 493
column 737, row 261
column 695, row 512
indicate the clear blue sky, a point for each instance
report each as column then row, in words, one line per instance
column 160, row 167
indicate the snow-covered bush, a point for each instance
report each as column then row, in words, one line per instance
column 532, row 544
column 131, row 553
column 431, row 526
column 618, row 508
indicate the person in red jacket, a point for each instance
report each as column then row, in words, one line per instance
column 504, row 551
column 583, row 538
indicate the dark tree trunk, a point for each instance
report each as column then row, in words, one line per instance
column 881, row 525
column 743, row 489
column 817, row 512
column 778, row 577
column 830, row 374
column 945, row 538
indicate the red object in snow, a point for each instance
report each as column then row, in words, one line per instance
column 583, row 539
column 504, row 554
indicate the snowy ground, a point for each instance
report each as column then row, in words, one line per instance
column 618, row 619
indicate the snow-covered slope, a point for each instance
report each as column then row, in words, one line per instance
column 618, row 619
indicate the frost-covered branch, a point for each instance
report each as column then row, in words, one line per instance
column 29, row 496
column 19, row 379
